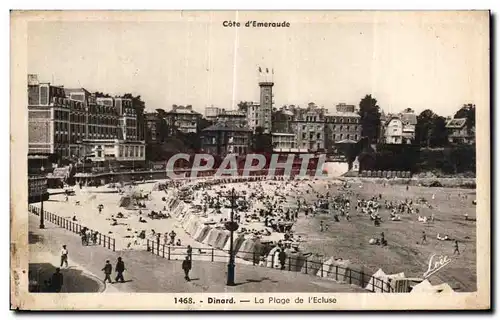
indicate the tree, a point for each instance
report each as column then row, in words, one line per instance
column 101, row 95
column 430, row 130
column 423, row 128
column 161, row 113
column 243, row 106
column 370, row 117
column 408, row 110
column 439, row 135
column 468, row 111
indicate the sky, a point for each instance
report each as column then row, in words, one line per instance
column 436, row 61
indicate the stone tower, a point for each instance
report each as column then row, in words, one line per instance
column 266, row 99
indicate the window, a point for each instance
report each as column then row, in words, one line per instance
column 318, row 135
column 356, row 137
column 303, row 135
column 348, row 136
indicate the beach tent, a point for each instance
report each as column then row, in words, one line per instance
column 377, row 281
column 426, row 287
column 249, row 249
column 312, row 264
column 381, row 280
column 343, row 270
column 236, row 243
column 192, row 225
column 201, row 233
column 222, row 238
column 337, row 269
column 211, row 237
column 125, row 202
column 272, row 259
column 295, row 260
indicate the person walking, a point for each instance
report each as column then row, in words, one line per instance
column 424, row 237
column 119, row 269
column 57, row 280
column 186, row 266
column 64, row 256
column 456, row 251
column 190, row 252
column 108, row 269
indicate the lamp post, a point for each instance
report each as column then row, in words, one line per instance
column 232, row 226
column 42, row 225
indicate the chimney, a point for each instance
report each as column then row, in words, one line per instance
column 33, row 80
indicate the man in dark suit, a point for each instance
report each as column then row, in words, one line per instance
column 186, row 266
column 108, row 269
column 120, row 267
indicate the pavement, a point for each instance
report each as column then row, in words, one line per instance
column 149, row 273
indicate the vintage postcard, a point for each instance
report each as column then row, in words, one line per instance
column 251, row 160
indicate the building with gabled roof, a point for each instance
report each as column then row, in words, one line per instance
column 458, row 132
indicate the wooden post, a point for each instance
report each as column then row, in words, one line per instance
column 337, row 273
column 109, row 243
column 322, row 270
column 163, row 251
column 158, row 247
column 289, row 263
column 306, row 266
column 212, row 254
column 253, row 260
column 114, row 244
column 168, row 252
column 100, row 236
column 350, row 277
column 272, row 261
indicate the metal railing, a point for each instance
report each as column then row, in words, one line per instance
column 101, row 239
column 291, row 263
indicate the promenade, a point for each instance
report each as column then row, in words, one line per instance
column 149, row 273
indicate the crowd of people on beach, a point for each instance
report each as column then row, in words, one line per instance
column 269, row 210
